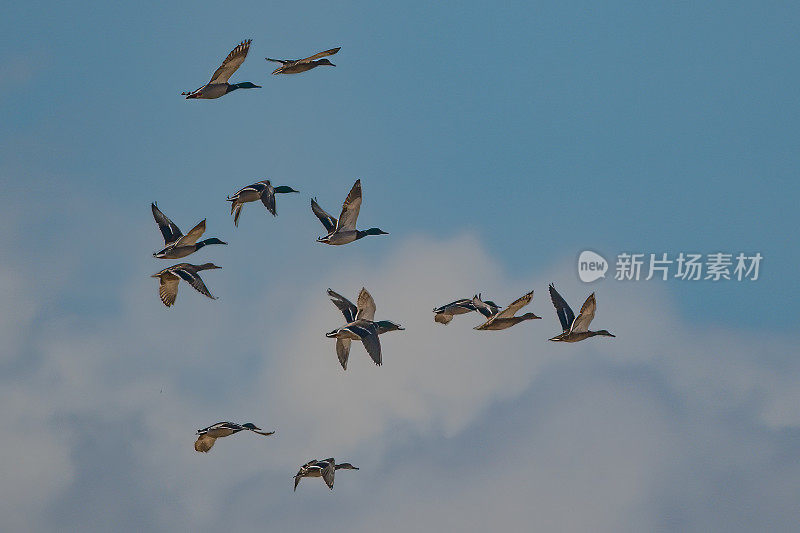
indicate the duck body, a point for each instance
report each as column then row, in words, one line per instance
column 297, row 68
column 505, row 323
column 177, row 252
column 340, row 237
column 579, row 335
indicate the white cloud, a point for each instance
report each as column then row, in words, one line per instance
column 459, row 429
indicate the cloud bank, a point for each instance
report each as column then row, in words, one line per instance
column 668, row 426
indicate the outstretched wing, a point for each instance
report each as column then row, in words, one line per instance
column 193, row 279
column 350, row 208
column 582, row 321
column 168, row 288
column 482, row 307
column 193, row 234
column 515, row 306
column 319, row 55
column 231, row 63
column 343, row 351
column 328, row 473
column 366, row 306
column 168, row 228
column 345, row 306
column 268, row 199
column 204, row 443
column 563, row 310
column 328, row 221
column 373, row 346
column 442, row 318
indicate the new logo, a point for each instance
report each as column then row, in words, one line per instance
column 591, row 266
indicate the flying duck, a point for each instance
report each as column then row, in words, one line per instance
column 296, row 66
column 169, row 277
column 343, row 231
column 505, row 318
column 326, row 469
column 207, row 436
column 445, row 313
column 360, row 326
column 219, row 86
column 574, row 328
column 262, row 190
column 177, row 244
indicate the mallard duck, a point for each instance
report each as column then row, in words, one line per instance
column 574, row 328
column 445, row 313
column 168, row 288
column 296, row 66
column 344, row 230
column 262, row 190
column 177, row 244
column 361, row 325
column 207, row 436
column 219, row 86
column 326, row 469
column 505, row 318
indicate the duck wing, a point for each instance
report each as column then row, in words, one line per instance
column 442, row 318
column 585, row 317
column 169, row 230
column 350, row 208
column 193, row 278
column 168, row 288
column 463, row 303
column 348, row 309
column 204, row 443
column 268, row 199
column 191, row 237
column 515, row 306
column 366, row 306
column 328, row 473
column 563, row 310
column 319, row 55
column 482, row 307
column 328, row 221
column 231, row 63
column 373, row 346
column 343, row 351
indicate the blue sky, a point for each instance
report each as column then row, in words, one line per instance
column 510, row 137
